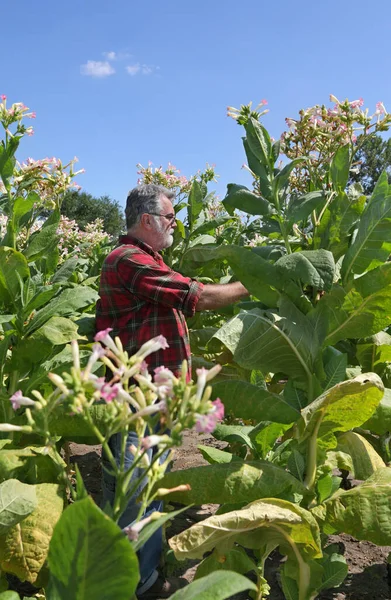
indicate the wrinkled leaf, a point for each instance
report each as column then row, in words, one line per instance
column 17, row 500
column 365, row 458
column 24, row 548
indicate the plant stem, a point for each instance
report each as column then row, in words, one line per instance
column 310, row 476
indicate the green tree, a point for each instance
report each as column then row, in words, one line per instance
column 85, row 208
column 373, row 157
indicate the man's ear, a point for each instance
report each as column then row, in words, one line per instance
column 146, row 220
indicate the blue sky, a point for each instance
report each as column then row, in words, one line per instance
column 120, row 82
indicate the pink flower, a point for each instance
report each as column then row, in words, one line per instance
column 207, row 423
column 380, row 110
column 33, row 115
column 164, row 376
column 109, row 392
column 357, row 103
column 157, row 343
column 17, row 400
column 3, row 97
column 263, row 102
column 104, row 337
column 219, row 409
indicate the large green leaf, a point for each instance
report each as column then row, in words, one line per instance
column 364, row 511
column 232, row 482
column 13, row 268
column 259, row 142
column 259, row 171
column 282, row 519
column 42, row 242
column 24, row 548
column 240, row 197
column 246, row 401
column 338, row 221
column 56, row 330
column 342, row 407
column 90, row 557
column 40, row 297
column 335, row 364
column 365, row 458
column 257, row 274
column 339, row 168
column 22, row 206
column 32, row 464
column 216, row 456
column 216, row 586
column 300, row 207
column 64, row 273
column 372, row 244
column 195, row 203
column 271, row 342
column 309, row 267
column 380, row 421
column 282, row 177
column 211, row 225
column 252, row 270
column 357, row 310
column 374, row 350
column 76, row 428
column 17, row 500
column 69, row 301
column 235, row 560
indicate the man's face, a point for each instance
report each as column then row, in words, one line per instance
column 165, row 224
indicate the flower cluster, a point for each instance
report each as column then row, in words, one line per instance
column 74, row 240
column 245, row 112
column 169, row 177
column 179, row 405
column 48, row 177
column 157, row 407
column 320, row 131
column 15, row 114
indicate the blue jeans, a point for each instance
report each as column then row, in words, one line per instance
column 149, row 554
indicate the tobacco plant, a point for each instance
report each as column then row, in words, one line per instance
column 312, row 344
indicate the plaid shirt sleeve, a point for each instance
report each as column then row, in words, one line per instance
column 155, row 282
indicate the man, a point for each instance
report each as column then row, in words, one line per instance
column 140, row 298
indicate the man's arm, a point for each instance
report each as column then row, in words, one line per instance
column 216, row 295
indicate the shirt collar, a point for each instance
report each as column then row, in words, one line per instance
column 129, row 239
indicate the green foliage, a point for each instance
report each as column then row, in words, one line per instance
column 84, row 539
column 216, row 586
column 85, row 208
column 372, row 158
column 233, row 482
column 17, row 500
column 24, row 547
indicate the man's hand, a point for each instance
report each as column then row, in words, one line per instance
column 216, row 295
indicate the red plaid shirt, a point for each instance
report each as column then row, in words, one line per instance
column 141, row 297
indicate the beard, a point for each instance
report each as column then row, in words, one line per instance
column 166, row 237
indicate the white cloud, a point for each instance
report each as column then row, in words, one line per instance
column 110, row 55
column 96, row 68
column 143, row 69
column 146, row 70
column 133, row 69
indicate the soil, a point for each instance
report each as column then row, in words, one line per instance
column 368, row 577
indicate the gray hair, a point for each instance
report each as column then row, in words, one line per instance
column 144, row 199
